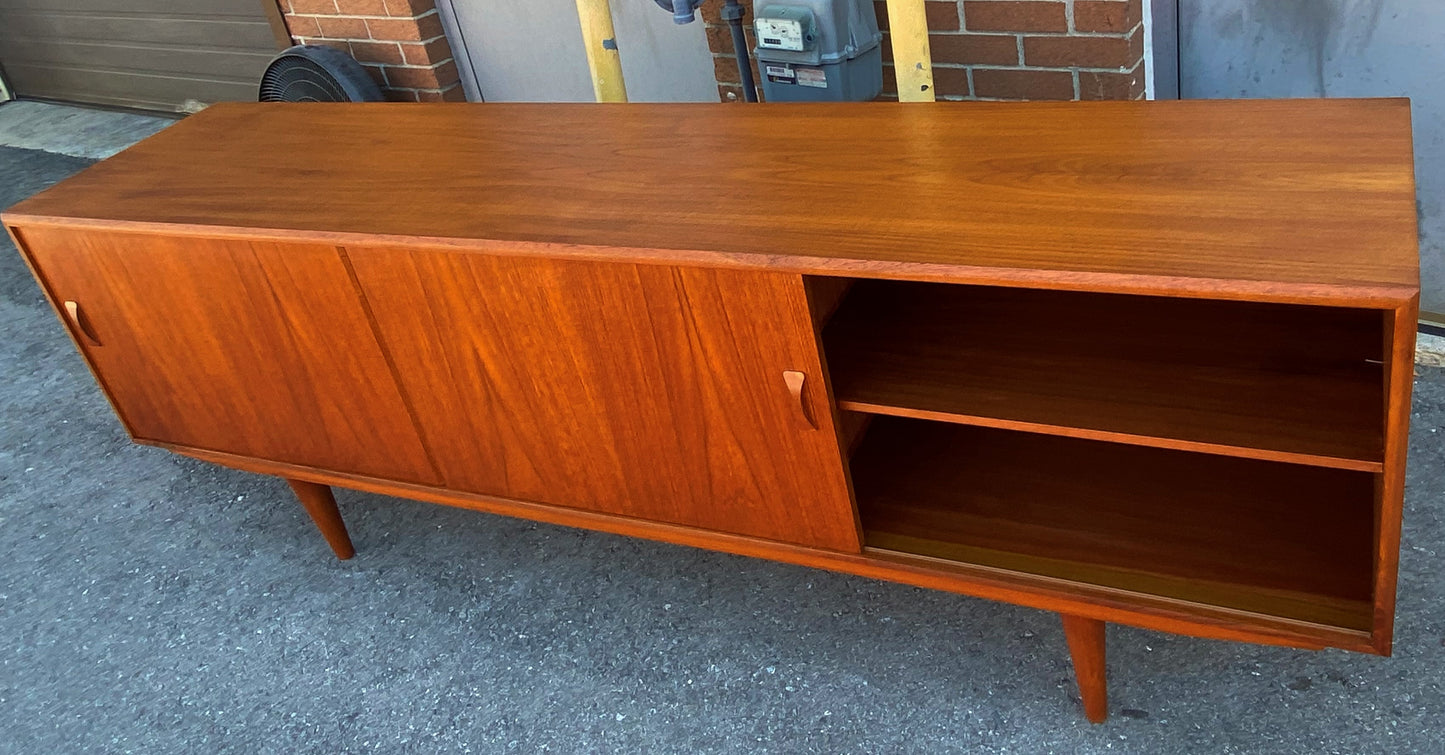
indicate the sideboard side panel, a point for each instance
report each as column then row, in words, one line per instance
column 1400, row 327
column 648, row 391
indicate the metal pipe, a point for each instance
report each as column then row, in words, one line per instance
column 733, row 13
column 683, row 12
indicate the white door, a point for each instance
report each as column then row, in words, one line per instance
column 531, row 51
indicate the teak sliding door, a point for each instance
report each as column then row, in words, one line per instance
column 252, row 348
column 678, row 395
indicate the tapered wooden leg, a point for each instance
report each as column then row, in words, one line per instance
column 1086, row 645
column 321, row 505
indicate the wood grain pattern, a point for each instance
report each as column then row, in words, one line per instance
column 256, row 349
column 518, row 325
column 851, row 429
column 1280, row 539
column 1086, row 646
column 1281, row 200
column 80, row 324
column 1267, row 381
column 1032, row 590
column 825, row 294
column 1399, row 336
column 797, row 383
column 647, row 391
column 320, row 505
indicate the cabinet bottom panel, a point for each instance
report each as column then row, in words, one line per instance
column 1288, row 540
column 1032, row 590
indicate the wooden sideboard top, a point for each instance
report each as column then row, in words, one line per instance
column 1290, row 200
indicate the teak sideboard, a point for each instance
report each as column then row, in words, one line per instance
column 1135, row 362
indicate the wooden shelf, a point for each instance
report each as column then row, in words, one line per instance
column 1267, row 381
column 1286, row 540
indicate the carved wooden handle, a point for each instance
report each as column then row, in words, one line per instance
column 72, row 310
column 795, row 381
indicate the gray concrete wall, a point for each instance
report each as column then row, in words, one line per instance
column 1333, row 48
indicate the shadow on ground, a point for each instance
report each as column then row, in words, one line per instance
column 155, row 604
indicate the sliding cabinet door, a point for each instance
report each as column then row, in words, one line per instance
column 251, row 348
column 671, row 394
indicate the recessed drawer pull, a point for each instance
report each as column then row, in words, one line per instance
column 795, row 381
column 72, row 310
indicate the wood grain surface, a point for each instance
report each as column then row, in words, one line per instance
column 1271, row 381
column 646, row 391
column 1283, row 200
column 320, row 505
column 1033, row 590
column 1399, row 337
column 251, row 348
column 1281, row 539
column 609, row 317
column 1085, row 638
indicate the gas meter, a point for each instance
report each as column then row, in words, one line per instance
column 818, row 50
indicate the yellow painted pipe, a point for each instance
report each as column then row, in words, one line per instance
column 912, row 61
column 601, row 43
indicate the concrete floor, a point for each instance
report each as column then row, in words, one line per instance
column 74, row 131
column 150, row 603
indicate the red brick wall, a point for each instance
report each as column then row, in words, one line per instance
column 1002, row 49
column 399, row 41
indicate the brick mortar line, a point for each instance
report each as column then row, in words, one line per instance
column 407, row 66
column 1055, row 69
column 1047, row 34
column 372, row 40
column 431, row 12
column 428, row 89
column 411, row 66
column 1130, row 67
column 1021, row 36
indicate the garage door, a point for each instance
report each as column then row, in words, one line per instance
column 153, row 54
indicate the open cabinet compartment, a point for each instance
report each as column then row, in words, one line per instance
column 1220, row 453
column 1268, row 381
column 1286, row 540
